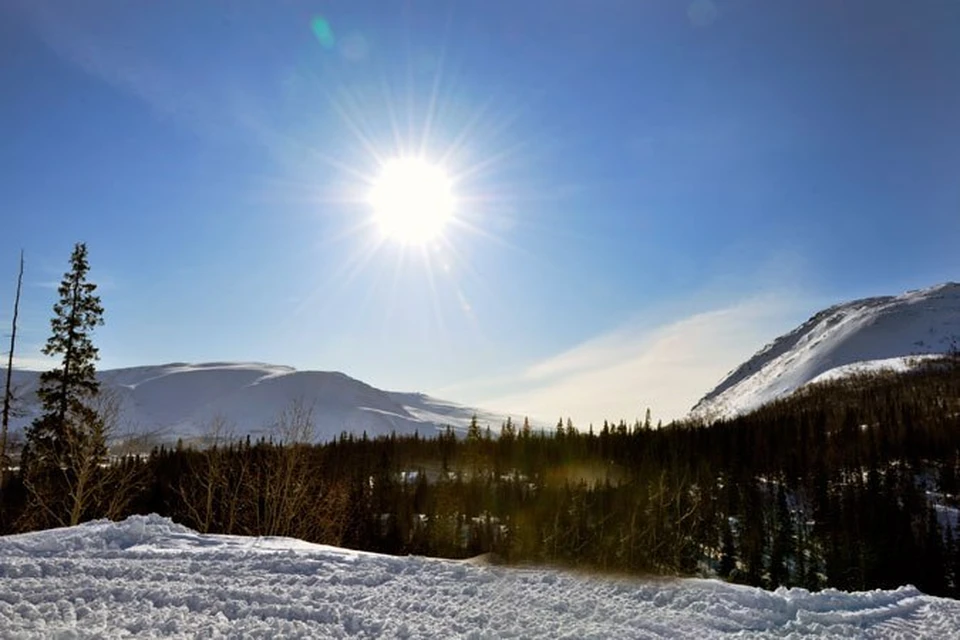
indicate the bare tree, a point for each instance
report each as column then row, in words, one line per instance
column 264, row 490
column 68, row 491
column 8, row 390
column 286, row 491
column 90, row 483
column 202, row 489
column 123, row 475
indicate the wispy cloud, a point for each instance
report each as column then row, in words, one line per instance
column 116, row 44
column 33, row 362
column 93, row 40
column 667, row 368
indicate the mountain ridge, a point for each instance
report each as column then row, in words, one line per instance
column 863, row 334
column 184, row 400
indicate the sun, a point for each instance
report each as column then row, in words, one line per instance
column 412, row 200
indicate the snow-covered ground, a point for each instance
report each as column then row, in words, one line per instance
column 175, row 400
column 148, row 577
column 873, row 333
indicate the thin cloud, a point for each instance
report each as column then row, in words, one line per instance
column 667, row 368
column 115, row 57
column 37, row 362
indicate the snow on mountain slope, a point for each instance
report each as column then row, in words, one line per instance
column 899, row 364
column 183, row 400
column 147, row 577
column 854, row 336
column 434, row 410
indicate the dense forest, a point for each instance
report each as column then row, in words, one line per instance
column 851, row 484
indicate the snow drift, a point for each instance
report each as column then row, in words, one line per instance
column 147, row 577
column 177, row 400
column 874, row 333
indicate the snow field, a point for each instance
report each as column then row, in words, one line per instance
column 147, row 577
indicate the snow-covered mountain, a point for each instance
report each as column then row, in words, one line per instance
column 186, row 400
column 887, row 332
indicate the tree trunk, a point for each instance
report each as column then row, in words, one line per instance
column 7, row 393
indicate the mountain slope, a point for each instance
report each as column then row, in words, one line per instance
column 185, row 400
column 871, row 333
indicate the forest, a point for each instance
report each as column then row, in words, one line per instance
column 851, row 484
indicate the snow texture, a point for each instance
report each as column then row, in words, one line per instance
column 177, row 400
column 147, row 577
column 873, row 333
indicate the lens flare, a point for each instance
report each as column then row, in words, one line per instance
column 323, row 32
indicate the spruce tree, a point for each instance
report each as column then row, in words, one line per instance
column 782, row 547
column 728, row 551
column 68, row 435
column 473, row 431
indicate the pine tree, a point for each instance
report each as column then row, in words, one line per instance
column 67, row 443
column 473, row 431
column 508, row 431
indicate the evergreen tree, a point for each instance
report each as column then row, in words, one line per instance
column 933, row 570
column 68, row 438
column 728, row 552
column 473, row 431
column 782, row 549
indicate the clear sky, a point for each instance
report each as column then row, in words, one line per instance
column 646, row 191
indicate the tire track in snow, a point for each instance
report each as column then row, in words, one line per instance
column 147, row 577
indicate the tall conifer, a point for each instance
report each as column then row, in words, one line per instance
column 68, row 435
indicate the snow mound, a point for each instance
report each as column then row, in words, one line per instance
column 147, row 577
column 873, row 333
column 181, row 400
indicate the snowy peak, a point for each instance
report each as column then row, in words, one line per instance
column 866, row 334
column 133, row 376
column 181, row 400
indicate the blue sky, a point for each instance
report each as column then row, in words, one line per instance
column 648, row 190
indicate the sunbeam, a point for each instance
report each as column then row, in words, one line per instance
column 410, row 160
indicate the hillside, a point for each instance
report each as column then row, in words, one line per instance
column 181, row 400
column 873, row 333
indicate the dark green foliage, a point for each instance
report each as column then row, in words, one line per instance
column 65, row 391
column 66, row 446
column 728, row 553
column 833, row 487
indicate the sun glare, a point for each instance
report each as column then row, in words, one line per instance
column 412, row 200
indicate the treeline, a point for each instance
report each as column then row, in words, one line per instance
column 851, row 484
